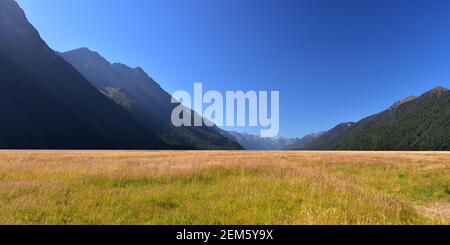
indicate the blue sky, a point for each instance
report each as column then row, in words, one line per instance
column 332, row 61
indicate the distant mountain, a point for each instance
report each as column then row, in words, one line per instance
column 255, row 142
column 46, row 103
column 139, row 94
column 414, row 123
column 301, row 143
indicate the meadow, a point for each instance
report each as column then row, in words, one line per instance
column 224, row 187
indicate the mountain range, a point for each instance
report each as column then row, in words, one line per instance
column 46, row 103
column 79, row 100
column 414, row 123
column 145, row 100
column 255, row 142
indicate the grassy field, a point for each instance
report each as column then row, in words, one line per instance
column 218, row 187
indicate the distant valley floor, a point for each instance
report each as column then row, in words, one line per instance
column 224, row 187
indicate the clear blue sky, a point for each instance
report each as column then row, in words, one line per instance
column 332, row 61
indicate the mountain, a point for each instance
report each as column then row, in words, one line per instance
column 414, row 123
column 300, row 143
column 46, row 103
column 255, row 142
column 145, row 100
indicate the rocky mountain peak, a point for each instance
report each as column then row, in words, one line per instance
column 437, row 90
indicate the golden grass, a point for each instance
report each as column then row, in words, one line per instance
column 224, row 187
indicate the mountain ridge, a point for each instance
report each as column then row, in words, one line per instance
column 137, row 92
column 255, row 142
column 48, row 103
column 419, row 123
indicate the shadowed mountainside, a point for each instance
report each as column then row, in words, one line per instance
column 149, row 104
column 46, row 103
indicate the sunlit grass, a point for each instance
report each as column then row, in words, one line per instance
column 218, row 187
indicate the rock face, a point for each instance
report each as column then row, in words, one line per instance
column 147, row 102
column 46, row 103
column 415, row 123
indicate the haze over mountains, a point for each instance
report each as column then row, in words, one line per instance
column 255, row 142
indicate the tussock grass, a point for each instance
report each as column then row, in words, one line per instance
column 223, row 187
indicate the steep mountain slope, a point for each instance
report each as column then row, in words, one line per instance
column 415, row 123
column 255, row 142
column 139, row 94
column 46, row 103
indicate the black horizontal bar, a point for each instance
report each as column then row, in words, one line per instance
column 224, row 234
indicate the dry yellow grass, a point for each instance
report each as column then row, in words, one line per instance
column 224, row 187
